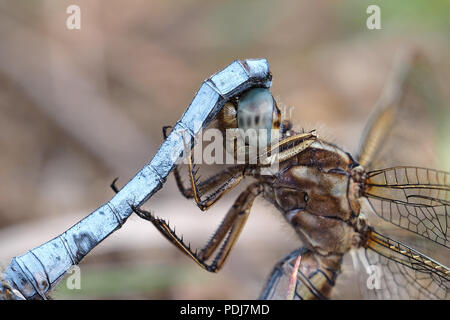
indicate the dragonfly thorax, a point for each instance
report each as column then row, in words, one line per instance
column 318, row 194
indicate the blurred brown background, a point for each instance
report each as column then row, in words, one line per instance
column 80, row 107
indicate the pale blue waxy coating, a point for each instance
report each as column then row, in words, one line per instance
column 37, row 272
column 255, row 115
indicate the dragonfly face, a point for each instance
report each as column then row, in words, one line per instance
column 255, row 114
column 319, row 189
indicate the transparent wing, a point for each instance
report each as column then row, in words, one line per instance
column 277, row 284
column 400, row 272
column 315, row 278
column 415, row 199
column 409, row 124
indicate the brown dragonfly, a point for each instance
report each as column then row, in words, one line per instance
column 326, row 194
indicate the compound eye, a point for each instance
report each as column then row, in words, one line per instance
column 257, row 115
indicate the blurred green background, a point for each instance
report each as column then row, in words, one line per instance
column 80, row 107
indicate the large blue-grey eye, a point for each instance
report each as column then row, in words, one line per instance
column 256, row 111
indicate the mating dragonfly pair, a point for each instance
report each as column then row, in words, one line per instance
column 322, row 192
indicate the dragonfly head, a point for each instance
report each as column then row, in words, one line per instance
column 254, row 117
column 258, row 114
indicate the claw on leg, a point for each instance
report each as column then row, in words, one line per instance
column 113, row 185
column 227, row 233
column 227, row 185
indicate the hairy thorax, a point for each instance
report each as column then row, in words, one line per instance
column 318, row 193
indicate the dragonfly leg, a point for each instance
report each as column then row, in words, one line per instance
column 227, row 233
column 165, row 229
column 216, row 181
column 170, row 235
column 229, row 182
column 230, row 177
column 305, row 139
column 231, row 226
column 113, row 185
column 220, row 182
column 301, row 141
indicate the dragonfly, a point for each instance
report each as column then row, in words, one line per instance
column 326, row 195
column 36, row 273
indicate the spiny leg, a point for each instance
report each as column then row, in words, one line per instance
column 215, row 182
column 232, row 225
column 228, row 183
column 113, row 185
column 228, row 231
column 299, row 141
column 219, row 179
column 184, row 191
column 203, row 186
column 231, row 221
column 231, row 177
column 305, row 139
column 170, row 235
column 165, row 229
column 222, row 179
column 222, row 182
